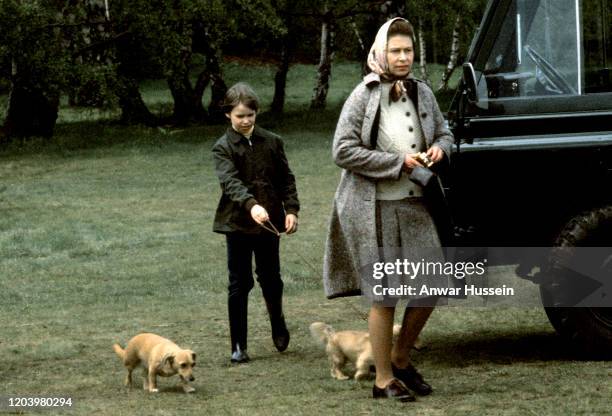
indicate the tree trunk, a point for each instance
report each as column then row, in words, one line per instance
column 182, row 95
column 133, row 108
column 31, row 111
column 218, row 88
column 205, row 42
column 422, row 52
column 452, row 62
column 106, row 10
column 187, row 103
column 280, row 78
column 362, row 47
column 328, row 33
column 198, row 91
column 196, row 98
column 434, row 39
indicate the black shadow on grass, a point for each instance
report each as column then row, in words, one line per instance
column 497, row 347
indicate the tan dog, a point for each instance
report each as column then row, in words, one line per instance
column 343, row 346
column 159, row 357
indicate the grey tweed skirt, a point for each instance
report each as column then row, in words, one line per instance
column 409, row 250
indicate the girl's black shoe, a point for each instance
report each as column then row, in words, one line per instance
column 280, row 334
column 239, row 356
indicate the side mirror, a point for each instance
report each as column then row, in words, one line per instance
column 469, row 80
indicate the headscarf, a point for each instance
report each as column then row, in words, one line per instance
column 377, row 62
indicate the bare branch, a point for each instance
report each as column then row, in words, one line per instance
column 77, row 24
column 100, row 44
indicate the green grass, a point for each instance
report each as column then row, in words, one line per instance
column 106, row 232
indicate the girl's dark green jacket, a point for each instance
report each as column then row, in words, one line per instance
column 252, row 172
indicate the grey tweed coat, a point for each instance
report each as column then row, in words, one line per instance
column 351, row 239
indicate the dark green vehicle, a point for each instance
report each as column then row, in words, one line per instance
column 532, row 164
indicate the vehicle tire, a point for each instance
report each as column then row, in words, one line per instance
column 588, row 329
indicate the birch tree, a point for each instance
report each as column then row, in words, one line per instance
column 422, row 50
column 454, row 53
column 331, row 15
column 286, row 41
column 280, row 77
column 328, row 33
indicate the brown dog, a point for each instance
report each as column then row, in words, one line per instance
column 343, row 346
column 158, row 356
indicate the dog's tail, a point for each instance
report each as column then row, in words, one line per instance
column 321, row 332
column 120, row 351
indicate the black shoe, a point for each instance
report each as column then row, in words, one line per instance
column 239, row 356
column 412, row 379
column 280, row 334
column 394, row 390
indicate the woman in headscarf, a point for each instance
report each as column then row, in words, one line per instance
column 385, row 123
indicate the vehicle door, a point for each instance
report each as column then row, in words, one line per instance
column 532, row 120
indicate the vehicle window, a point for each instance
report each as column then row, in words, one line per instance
column 537, row 51
column 597, row 43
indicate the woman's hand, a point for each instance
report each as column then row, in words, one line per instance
column 291, row 223
column 435, row 153
column 410, row 162
column 259, row 214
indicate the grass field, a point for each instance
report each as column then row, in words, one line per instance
column 106, row 232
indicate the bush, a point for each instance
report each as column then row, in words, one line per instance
column 92, row 86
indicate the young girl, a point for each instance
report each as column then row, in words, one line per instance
column 259, row 199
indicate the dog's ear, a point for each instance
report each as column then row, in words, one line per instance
column 168, row 359
column 193, row 355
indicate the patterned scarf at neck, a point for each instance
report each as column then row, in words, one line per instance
column 377, row 62
column 399, row 87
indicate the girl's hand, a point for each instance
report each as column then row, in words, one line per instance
column 435, row 153
column 259, row 214
column 291, row 223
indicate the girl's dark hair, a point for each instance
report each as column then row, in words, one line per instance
column 240, row 93
column 401, row 27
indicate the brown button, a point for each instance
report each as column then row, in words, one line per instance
column 403, row 99
column 410, row 128
column 411, row 193
column 413, row 145
column 423, row 115
column 407, row 113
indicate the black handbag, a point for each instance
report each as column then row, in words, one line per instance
column 421, row 176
